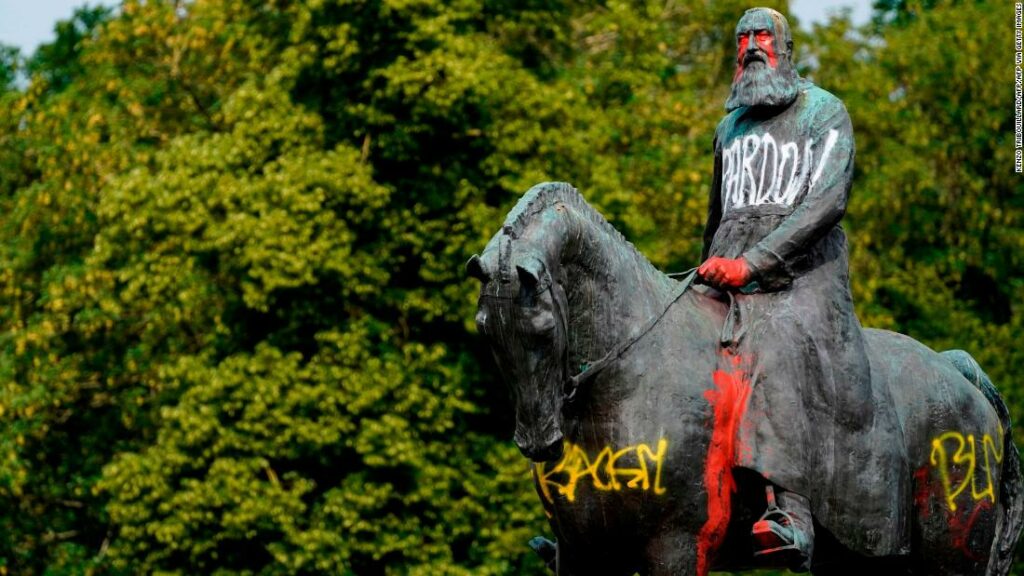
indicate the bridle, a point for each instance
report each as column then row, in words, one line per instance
column 572, row 384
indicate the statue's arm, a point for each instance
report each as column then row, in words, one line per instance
column 714, row 204
column 822, row 207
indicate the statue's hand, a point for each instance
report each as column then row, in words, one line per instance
column 725, row 272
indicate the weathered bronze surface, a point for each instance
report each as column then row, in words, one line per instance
column 742, row 416
column 784, row 159
column 638, row 471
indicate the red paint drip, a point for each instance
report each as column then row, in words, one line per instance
column 740, row 49
column 767, row 42
column 744, row 42
column 728, row 401
column 960, row 526
column 923, row 491
column 960, row 523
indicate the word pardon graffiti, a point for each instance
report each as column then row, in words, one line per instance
column 959, row 465
column 757, row 170
column 633, row 468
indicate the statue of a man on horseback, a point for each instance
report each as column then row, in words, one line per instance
column 774, row 248
column 683, row 428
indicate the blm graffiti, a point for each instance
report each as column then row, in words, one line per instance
column 964, row 466
column 956, row 458
column 758, row 170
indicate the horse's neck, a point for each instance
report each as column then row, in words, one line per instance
column 613, row 292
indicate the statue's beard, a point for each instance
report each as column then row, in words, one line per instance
column 761, row 85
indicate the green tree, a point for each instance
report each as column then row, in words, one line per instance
column 59, row 62
column 10, row 65
column 230, row 185
column 235, row 335
column 72, row 393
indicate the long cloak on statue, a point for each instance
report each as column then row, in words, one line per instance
column 813, row 423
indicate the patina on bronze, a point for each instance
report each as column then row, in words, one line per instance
column 638, row 469
column 748, row 421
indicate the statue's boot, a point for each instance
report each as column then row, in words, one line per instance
column 784, row 535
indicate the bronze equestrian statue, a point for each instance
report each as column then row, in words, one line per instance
column 633, row 412
column 741, row 417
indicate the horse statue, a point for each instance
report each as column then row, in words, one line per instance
column 623, row 406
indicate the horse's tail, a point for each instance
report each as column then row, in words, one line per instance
column 1011, row 486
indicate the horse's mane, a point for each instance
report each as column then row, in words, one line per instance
column 639, row 287
column 543, row 195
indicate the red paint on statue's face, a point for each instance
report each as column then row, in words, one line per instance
column 765, row 41
column 728, row 400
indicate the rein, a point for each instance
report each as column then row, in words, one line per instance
column 573, row 383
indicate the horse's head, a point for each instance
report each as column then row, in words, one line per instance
column 521, row 313
column 527, row 306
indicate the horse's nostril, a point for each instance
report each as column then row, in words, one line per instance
column 542, row 453
column 552, row 452
column 521, row 443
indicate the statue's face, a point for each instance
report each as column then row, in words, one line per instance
column 755, row 41
column 764, row 71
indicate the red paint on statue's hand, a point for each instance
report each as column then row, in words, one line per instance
column 725, row 272
column 728, row 400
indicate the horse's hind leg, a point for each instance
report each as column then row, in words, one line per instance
column 831, row 558
column 600, row 559
column 952, row 538
column 955, row 550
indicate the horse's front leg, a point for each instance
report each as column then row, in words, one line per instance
column 603, row 560
column 672, row 553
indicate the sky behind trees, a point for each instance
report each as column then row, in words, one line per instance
column 29, row 24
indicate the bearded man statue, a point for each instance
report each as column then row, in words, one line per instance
column 775, row 250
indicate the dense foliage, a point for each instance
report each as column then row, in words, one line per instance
column 235, row 334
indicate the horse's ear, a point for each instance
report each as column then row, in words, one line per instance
column 475, row 268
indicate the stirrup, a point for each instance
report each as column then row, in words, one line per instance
column 775, row 532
